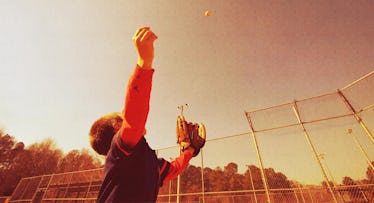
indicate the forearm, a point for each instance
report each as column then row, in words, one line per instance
column 136, row 105
column 138, row 92
column 179, row 164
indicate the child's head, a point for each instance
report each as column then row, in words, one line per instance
column 103, row 130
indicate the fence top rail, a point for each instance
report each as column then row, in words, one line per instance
column 267, row 108
column 313, row 97
column 358, row 80
column 291, row 103
column 74, row 172
column 208, row 140
column 303, row 122
column 64, row 173
column 33, row 177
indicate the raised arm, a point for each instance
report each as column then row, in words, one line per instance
column 137, row 98
column 171, row 170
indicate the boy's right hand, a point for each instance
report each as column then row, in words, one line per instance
column 143, row 41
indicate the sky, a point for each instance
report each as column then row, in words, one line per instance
column 63, row 64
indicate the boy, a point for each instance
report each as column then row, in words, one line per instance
column 132, row 172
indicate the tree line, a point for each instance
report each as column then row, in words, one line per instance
column 228, row 179
column 225, row 179
column 18, row 161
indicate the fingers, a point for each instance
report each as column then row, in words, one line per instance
column 140, row 29
column 149, row 35
column 139, row 35
column 144, row 34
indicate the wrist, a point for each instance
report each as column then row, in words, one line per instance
column 144, row 63
column 190, row 150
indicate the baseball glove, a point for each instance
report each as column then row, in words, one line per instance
column 190, row 135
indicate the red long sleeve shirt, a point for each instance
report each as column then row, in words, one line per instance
column 135, row 113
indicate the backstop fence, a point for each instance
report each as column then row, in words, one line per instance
column 318, row 149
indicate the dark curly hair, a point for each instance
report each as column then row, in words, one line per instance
column 103, row 130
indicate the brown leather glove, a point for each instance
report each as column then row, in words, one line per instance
column 190, row 135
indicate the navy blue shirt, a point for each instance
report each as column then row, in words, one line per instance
column 131, row 178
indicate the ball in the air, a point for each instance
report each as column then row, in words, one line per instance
column 207, row 13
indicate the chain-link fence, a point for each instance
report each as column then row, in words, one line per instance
column 79, row 186
column 318, row 149
column 320, row 140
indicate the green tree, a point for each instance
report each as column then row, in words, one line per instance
column 10, row 149
column 233, row 179
column 255, row 173
column 37, row 159
column 354, row 191
column 17, row 162
column 277, row 180
column 191, row 182
column 76, row 160
column 348, row 181
column 41, row 158
column 214, row 180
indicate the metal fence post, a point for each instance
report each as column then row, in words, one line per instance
column 297, row 114
column 357, row 117
column 266, row 187
column 361, row 148
column 37, row 189
column 46, row 189
column 295, row 193
column 25, row 188
column 252, row 184
column 89, row 186
column 302, row 194
column 202, row 174
column 310, row 195
column 322, row 156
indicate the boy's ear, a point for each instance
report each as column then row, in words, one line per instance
column 117, row 125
